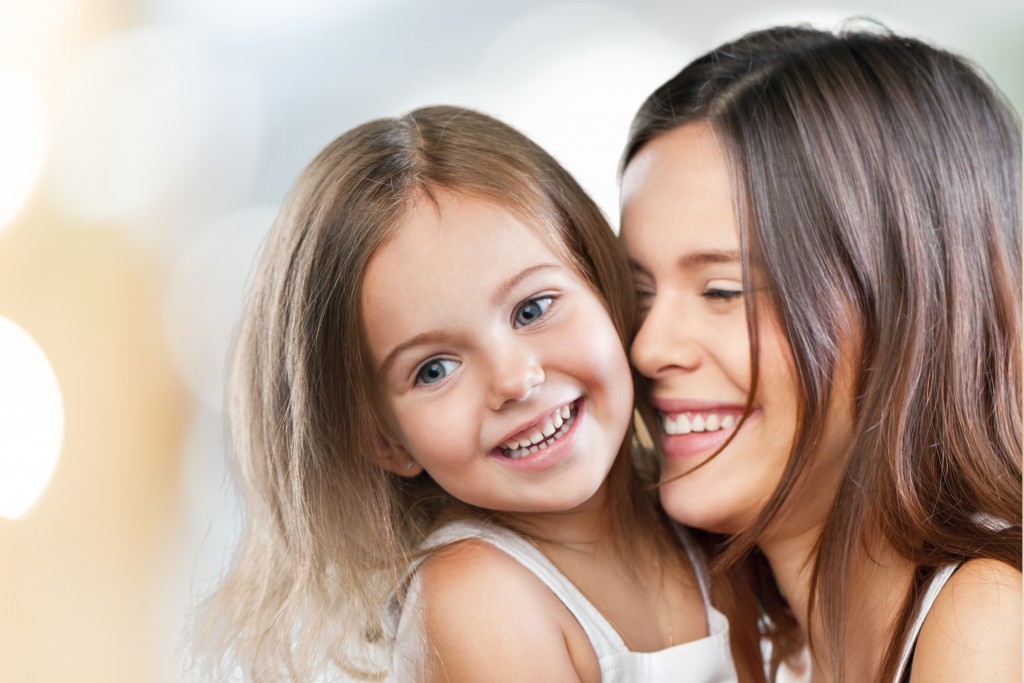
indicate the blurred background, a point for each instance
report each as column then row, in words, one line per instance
column 144, row 148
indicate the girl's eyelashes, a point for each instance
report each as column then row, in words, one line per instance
column 435, row 370
column 532, row 310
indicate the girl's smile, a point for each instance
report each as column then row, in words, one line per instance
column 504, row 377
column 543, row 433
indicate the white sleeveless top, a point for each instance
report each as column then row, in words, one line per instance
column 706, row 660
column 938, row 581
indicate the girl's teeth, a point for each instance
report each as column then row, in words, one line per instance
column 537, row 441
column 712, row 423
column 697, row 424
column 728, row 422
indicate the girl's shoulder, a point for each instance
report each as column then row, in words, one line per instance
column 483, row 613
column 973, row 630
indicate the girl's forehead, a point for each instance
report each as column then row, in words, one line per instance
column 527, row 208
column 450, row 266
column 443, row 235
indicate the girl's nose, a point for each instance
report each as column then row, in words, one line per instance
column 664, row 343
column 515, row 373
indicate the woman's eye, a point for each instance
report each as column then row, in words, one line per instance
column 533, row 310
column 644, row 297
column 722, row 294
column 435, row 370
column 722, row 290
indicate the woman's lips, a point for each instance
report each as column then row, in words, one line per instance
column 691, row 428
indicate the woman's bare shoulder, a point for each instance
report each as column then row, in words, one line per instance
column 973, row 631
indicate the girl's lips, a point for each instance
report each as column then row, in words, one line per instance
column 555, row 449
column 540, row 429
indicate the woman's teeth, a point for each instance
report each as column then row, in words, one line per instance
column 549, row 431
column 701, row 422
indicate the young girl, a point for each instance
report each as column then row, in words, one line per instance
column 826, row 238
column 430, row 404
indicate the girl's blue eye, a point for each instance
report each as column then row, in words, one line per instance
column 435, row 370
column 533, row 310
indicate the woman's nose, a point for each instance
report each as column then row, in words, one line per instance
column 664, row 343
column 516, row 371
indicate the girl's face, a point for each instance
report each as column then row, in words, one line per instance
column 501, row 372
column 679, row 227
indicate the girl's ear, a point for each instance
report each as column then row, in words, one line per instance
column 393, row 457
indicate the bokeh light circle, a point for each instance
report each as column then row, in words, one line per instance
column 31, row 420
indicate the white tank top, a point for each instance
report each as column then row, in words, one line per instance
column 706, row 660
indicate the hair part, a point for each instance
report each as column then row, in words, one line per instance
column 878, row 181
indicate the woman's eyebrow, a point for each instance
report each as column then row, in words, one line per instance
column 696, row 258
column 704, row 257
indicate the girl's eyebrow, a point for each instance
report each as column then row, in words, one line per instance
column 513, row 281
column 428, row 337
column 440, row 335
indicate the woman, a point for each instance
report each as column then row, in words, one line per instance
column 826, row 238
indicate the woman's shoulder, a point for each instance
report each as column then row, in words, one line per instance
column 973, row 630
column 483, row 612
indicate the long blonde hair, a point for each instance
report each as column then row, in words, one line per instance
column 328, row 532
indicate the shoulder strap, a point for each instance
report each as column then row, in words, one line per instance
column 604, row 638
column 938, row 581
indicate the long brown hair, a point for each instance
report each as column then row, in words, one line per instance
column 878, row 186
column 328, row 532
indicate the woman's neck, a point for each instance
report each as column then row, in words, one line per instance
column 877, row 583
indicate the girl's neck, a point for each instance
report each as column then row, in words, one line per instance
column 876, row 586
column 587, row 525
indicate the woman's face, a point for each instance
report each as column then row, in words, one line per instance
column 679, row 227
